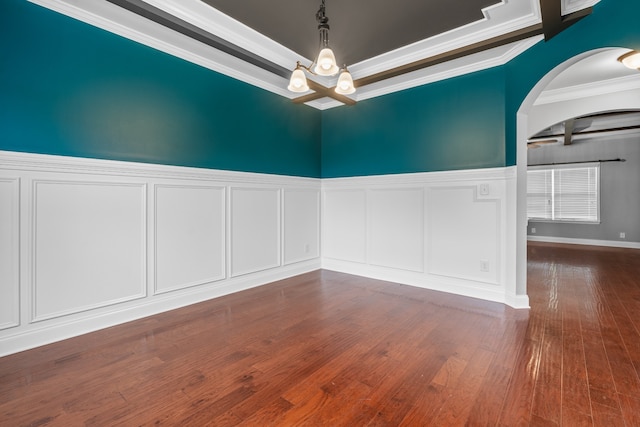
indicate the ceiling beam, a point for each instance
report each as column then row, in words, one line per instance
column 165, row 19
column 568, row 130
column 502, row 40
column 161, row 17
column 585, row 132
column 471, row 49
column 321, row 92
column 553, row 23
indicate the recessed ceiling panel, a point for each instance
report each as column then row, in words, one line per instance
column 388, row 46
column 360, row 29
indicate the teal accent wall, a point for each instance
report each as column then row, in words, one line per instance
column 465, row 122
column 448, row 125
column 70, row 89
column 613, row 23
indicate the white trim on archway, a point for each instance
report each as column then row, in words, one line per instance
column 522, row 134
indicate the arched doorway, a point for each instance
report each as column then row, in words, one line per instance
column 599, row 78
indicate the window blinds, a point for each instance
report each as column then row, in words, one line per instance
column 564, row 193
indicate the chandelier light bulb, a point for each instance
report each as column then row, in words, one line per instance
column 298, row 81
column 326, row 63
column 345, row 83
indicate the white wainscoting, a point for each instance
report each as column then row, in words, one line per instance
column 396, row 228
column 9, row 247
column 86, row 244
column 189, row 236
column 255, row 229
column 447, row 231
column 302, row 216
column 344, row 223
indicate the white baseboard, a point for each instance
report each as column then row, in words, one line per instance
column 449, row 285
column 587, row 242
column 517, row 301
column 50, row 332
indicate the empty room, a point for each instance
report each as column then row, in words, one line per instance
column 320, row 213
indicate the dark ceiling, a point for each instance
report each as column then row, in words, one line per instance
column 379, row 40
column 360, row 29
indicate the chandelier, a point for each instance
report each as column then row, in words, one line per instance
column 325, row 64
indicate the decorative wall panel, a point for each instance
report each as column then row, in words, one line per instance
column 189, row 237
column 397, row 228
column 345, row 225
column 301, row 218
column 255, row 229
column 463, row 234
column 9, row 253
column 89, row 245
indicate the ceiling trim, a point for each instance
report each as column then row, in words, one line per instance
column 571, row 6
column 553, row 24
column 598, row 88
column 454, row 68
column 553, row 20
column 122, row 22
column 465, row 51
column 445, row 51
column 203, row 16
column 140, row 7
column 503, row 17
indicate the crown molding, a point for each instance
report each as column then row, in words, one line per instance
column 119, row 21
column 598, row 88
column 203, row 16
column 570, row 6
column 500, row 18
column 457, row 67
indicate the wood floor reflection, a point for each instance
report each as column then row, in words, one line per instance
column 330, row 349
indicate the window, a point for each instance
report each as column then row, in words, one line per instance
column 564, row 193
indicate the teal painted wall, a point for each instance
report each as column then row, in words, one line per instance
column 70, row 89
column 67, row 88
column 465, row 122
column 613, row 23
column 453, row 124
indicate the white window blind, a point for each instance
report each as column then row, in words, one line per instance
column 564, row 193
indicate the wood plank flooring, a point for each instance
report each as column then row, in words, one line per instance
column 329, row 349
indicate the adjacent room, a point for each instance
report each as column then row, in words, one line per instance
column 320, row 213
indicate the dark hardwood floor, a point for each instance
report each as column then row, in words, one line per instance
column 329, row 349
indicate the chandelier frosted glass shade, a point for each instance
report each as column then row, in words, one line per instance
column 345, row 83
column 298, row 81
column 326, row 63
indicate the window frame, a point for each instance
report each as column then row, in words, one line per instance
column 553, row 168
